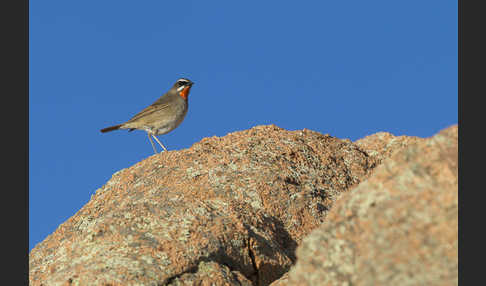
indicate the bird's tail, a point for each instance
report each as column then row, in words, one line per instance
column 111, row 128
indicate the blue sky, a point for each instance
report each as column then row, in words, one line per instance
column 346, row 68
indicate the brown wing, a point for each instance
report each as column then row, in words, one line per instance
column 161, row 103
column 148, row 110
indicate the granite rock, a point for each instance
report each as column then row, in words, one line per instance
column 398, row 227
column 230, row 210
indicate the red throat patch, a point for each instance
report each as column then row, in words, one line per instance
column 185, row 92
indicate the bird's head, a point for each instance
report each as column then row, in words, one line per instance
column 183, row 86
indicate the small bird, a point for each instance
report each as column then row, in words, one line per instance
column 162, row 116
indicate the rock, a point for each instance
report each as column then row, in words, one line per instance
column 211, row 273
column 229, row 210
column 383, row 145
column 282, row 281
column 399, row 227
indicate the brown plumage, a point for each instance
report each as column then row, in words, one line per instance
column 108, row 129
column 162, row 116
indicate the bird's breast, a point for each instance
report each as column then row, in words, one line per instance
column 178, row 115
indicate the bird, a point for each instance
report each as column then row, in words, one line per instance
column 162, row 116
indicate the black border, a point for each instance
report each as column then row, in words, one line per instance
column 471, row 76
column 15, row 144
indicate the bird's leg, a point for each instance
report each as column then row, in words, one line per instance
column 160, row 143
column 151, row 141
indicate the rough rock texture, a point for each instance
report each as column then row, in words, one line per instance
column 282, row 281
column 211, row 273
column 383, row 145
column 230, row 210
column 399, row 227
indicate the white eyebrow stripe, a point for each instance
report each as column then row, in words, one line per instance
column 182, row 80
